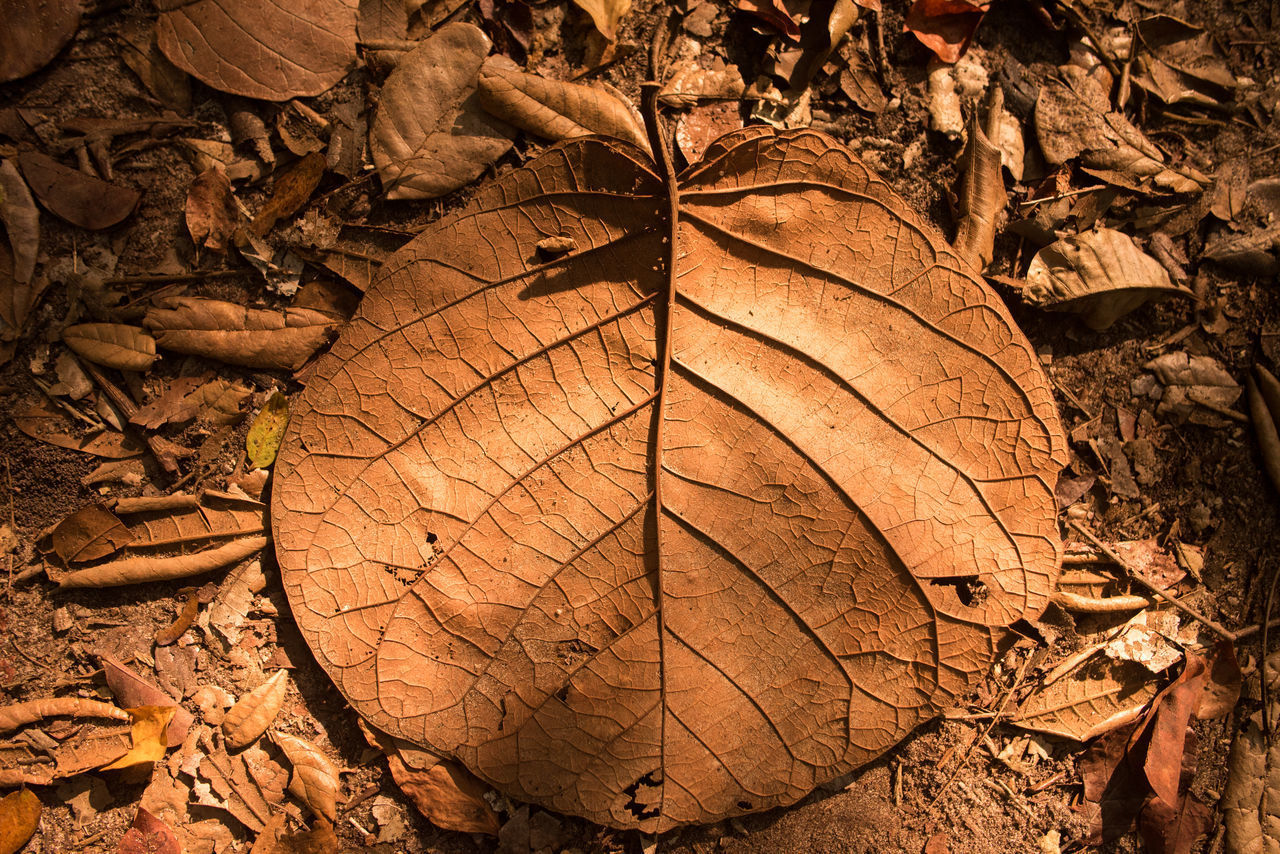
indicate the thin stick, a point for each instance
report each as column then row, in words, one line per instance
column 1066, row 195
column 181, row 277
column 1134, row 576
column 1266, row 626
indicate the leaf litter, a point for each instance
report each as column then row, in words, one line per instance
column 1173, row 64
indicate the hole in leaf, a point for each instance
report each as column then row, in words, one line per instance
column 642, row 796
column 969, row 589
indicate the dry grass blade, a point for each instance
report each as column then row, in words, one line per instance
column 253, row 713
column 113, row 345
column 315, row 779
column 553, row 109
column 982, row 196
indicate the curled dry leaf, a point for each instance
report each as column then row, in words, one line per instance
column 33, row 33
column 945, row 26
column 95, row 735
column 78, row 198
column 52, row 426
column 553, row 109
column 1074, row 118
column 251, row 337
column 253, row 713
column 148, row 835
column 19, row 818
column 1101, row 275
column 1264, row 408
column 175, row 630
column 1251, row 801
column 1098, row 696
column 774, row 12
column 261, row 50
column 788, row 421
column 290, row 191
column 1190, row 381
column 430, row 135
column 21, row 222
column 315, row 779
column 981, row 194
column 448, row 795
column 1182, row 63
column 114, row 345
column 211, row 210
column 263, row 440
column 208, row 531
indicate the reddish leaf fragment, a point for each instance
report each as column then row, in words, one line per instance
column 448, row 795
column 1173, row 829
column 1114, row 786
column 773, row 12
column 945, row 26
column 78, row 198
column 133, row 691
column 291, row 190
column 148, row 835
column 1222, row 687
column 211, row 210
column 90, row 533
column 1170, row 714
column 179, row 626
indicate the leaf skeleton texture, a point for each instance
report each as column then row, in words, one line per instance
column 688, row 520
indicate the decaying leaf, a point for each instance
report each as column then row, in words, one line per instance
column 140, row 50
column 263, row 440
column 1100, row 695
column 261, row 50
column 33, row 33
column 315, row 779
column 114, row 345
column 148, row 835
column 216, row 401
column 787, row 421
column 1182, row 63
column 78, row 198
column 1264, row 409
column 149, row 737
column 430, row 135
column 1190, row 381
column 252, row 337
column 553, row 109
column 290, row 191
column 46, row 424
column 605, row 14
column 133, row 691
column 448, row 795
column 207, row 531
column 246, row 785
column 98, row 734
column 1251, row 801
column 320, row 839
column 1074, row 119
column 253, row 713
column 1101, row 275
column 981, row 196
column 19, row 818
column 175, row 630
column 211, row 212
column 945, row 26
column 91, row 533
column 21, row 222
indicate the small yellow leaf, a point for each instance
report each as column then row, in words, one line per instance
column 19, row 818
column 268, row 428
column 150, row 736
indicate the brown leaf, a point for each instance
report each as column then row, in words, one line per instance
column 49, row 425
column 1170, row 715
column 382, row 19
column 842, row 494
column 553, row 109
column 19, row 818
column 115, row 345
column 1101, row 275
column 605, row 14
column 211, row 210
column 175, row 630
column 253, row 713
column 430, row 135
column 33, row 33
column 1174, row 829
column 98, row 733
column 21, row 223
column 261, row 50
column 134, row 691
column 945, row 26
column 774, row 12
column 1074, row 119
column 1114, row 785
column 1264, row 409
column 320, row 839
column 78, row 198
column 251, row 337
column 141, row 52
column 148, row 835
column 232, row 778
column 1182, row 63
column 448, row 795
column 1223, row 684
column 315, row 779
column 1251, row 801
column 290, row 191
column 1099, row 696
column 981, row 194
column 91, row 533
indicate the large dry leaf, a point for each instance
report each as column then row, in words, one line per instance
column 1251, row 801
column 78, row 198
column 1074, row 119
column 430, row 135
column 33, row 33
column 272, row 51
column 252, row 337
column 1101, row 275
column 21, row 222
column 702, row 547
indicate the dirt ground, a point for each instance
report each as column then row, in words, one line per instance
column 1201, row 480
